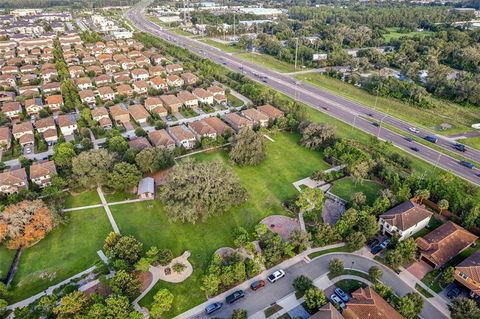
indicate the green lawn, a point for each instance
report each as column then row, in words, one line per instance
column 66, row 251
column 181, row 32
column 394, row 33
column 224, row 47
column 234, row 101
column 6, row 258
column 118, row 196
column 268, row 185
column 434, row 223
column 269, row 62
column 345, row 187
column 351, row 272
column 472, row 142
column 423, row 291
column 350, row 286
column 82, row 199
column 460, row 117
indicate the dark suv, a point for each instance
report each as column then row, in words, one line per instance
column 235, row 296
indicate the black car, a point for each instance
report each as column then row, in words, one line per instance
column 372, row 243
column 460, row 147
column 453, row 293
column 376, row 249
column 415, row 149
column 375, row 124
column 408, row 139
column 235, row 296
column 370, row 114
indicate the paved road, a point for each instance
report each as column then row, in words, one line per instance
column 256, row 301
column 338, row 107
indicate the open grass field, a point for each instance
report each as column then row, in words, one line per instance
column 6, row 258
column 394, row 34
column 268, row 185
column 82, row 199
column 459, row 117
column 118, row 196
column 224, row 47
column 268, row 61
column 472, row 142
column 345, row 187
column 235, row 101
column 66, row 251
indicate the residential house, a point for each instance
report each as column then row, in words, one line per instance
column 156, row 70
column 366, row 303
column 12, row 110
column 216, row 90
column 220, row 99
column 328, row 311
column 44, row 124
column 119, row 113
column 33, row 106
column 175, row 81
column 13, row 181
column 42, row 173
column 201, row 129
column 67, row 124
column 146, row 188
column 237, row 122
column 49, row 74
column 50, row 136
column 158, row 83
column 183, row 136
column 140, row 87
column 125, row 89
column 103, row 79
column 139, row 143
column 76, row 71
column 174, row 68
column 106, row 93
column 188, row 99
column 51, row 87
column 171, row 103
column 467, row 273
column 5, row 138
column 138, row 113
column 84, row 83
column 218, row 125
column 272, row 112
column 257, row 117
column 154, row 104
column 140, row 74
column 203, row 96
column 404, row 220
column 55, row 102
column 100, row 115
column 6, row 96
column 87, row 97
column 189, row 78
column 443, row 243
column 161, row 138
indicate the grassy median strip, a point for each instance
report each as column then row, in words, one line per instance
column 423, row 291
column 222, row 46
column 268, row 61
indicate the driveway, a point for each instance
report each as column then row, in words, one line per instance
column 419, row 269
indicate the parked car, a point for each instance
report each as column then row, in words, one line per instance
column 415, row 149
column 467, row 164
column 276, row 275
column 373, row 242
column 342, row 294
column 385, row 243
column 453, row 293
column 376, row 249
column 235, row 296
column 337, row 301
column 257, row 284
column 211, row 308
column 431, row 138
column 414, row 130
column 460, row 147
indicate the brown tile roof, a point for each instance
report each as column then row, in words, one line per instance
column 161, row 138
column 255, row 115
column 216, row 90
column 202, row 128
column 271, row 111
column 13, row 177
column 99, row 111
column 327, row 312
column 202, row 93
column 117, row 110
column 85, row 94
column 406, row 215
column 181, row 133
column 445, row 242
column 105, row 90
column 11, row 106
column 237, row 119
column 46, row 122
column 124, row 89
column 153, row 102
column 42, row 169
column 367, row 304
column 471, row 268
column 219, row 126
column 139, row 143
column 66, row 120
column 186, row 96
column 22, row 127
column 4, row 133
column 170, row 99
column 28, row 138
column 138, row 112
column 51, row 132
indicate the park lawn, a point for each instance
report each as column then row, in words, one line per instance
column 471, row 141
column 460, row 117
column 345, row 187
column 118, row 196
column 394, row 34
column 222, row 46
column 268, row 61
column 85, row 198
column 268, row 184
column 66, row 251
column 234, row 101
column 6, row 258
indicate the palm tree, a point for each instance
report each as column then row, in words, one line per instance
column 442, row 205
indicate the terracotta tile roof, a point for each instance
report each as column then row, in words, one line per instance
column 66, row 120
column 367, row 304
column 445, row 242
column 161, row 138
column 327, row 312
column 42, row 169
column 11, row 106
column 202, row 128
column 216, row 90
column 271, row 111
column 254, row 115
column 55, row 99
column 51, row 132
column 28, row 138
column 99, row 111
column 44, row 123
column 181, row 133
column 219, row 126
column 406, row 215
column 153, row 102
column 124, row 89
column 186, row 96
column 139, row 143
column 202, row 93
column 22, row 127
column 117, row 110
column 105, row 90
column 170, row 99
column 4, row 133
column 86, row 94
column 158, row 81
column 471, row 268
column 237, row 119
column 138, row 112
column 13, row 177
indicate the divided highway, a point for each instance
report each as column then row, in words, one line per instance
column 341, row 108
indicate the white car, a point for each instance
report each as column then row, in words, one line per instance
column 414, row 129
column 273, row 277
column 337, row 301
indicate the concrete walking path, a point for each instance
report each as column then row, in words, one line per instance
column 107, row 210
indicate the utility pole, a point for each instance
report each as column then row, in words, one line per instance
column 296, row 53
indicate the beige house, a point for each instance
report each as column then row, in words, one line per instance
column 203, row 96
column 202, row 129
column 5, row 138
column 67, row 124
column 183, row 136
column 257, row 117
column 138, row 113
column 237, row 122
column 119, row 114
column 272, row 112
column 188, row 99
column 41, row 173
column 13, row 181
column 171, row 103
column 161, row 138
column 175, row 81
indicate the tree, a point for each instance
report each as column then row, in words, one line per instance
column 324, row 234
column 462, row 308
column 301, row 284
column 126, row 284
column 117, row 144
column 239, row 314
column 410, row 305
column 310, row 199
column 241, row 237
column 124, row 176
column 443, row 205
column 162, row 302
column 63, row 153
column 117, row 306
column 335, row 266
column 125, row 248
column 46, row 304
column 24, row 223
column 375, row 273
column 356, row 240
column 153, row 159
column 165, row 256
column 422, row 194
column 471, row 217
column 72, row 305
column 91, row 168
column 317, row 135
column 393, row 258
column 407, row 249
column 248, row 148
column 197, row 190
column 315, row 299
column 300, row 239
column 358, row 199
column 448, row 276
column 210, row 284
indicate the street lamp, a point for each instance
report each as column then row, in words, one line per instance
column 352, row 265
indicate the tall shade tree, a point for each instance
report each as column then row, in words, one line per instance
column 248, row 148
column 72, row 305
column 91, row 168
column 162, row 302
column 63, row 154
column 124, row 176
column 152, row 159
column 317, row 135
column 462, row 308
column 25, row 223
column 197, row 190
column 310, row 199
